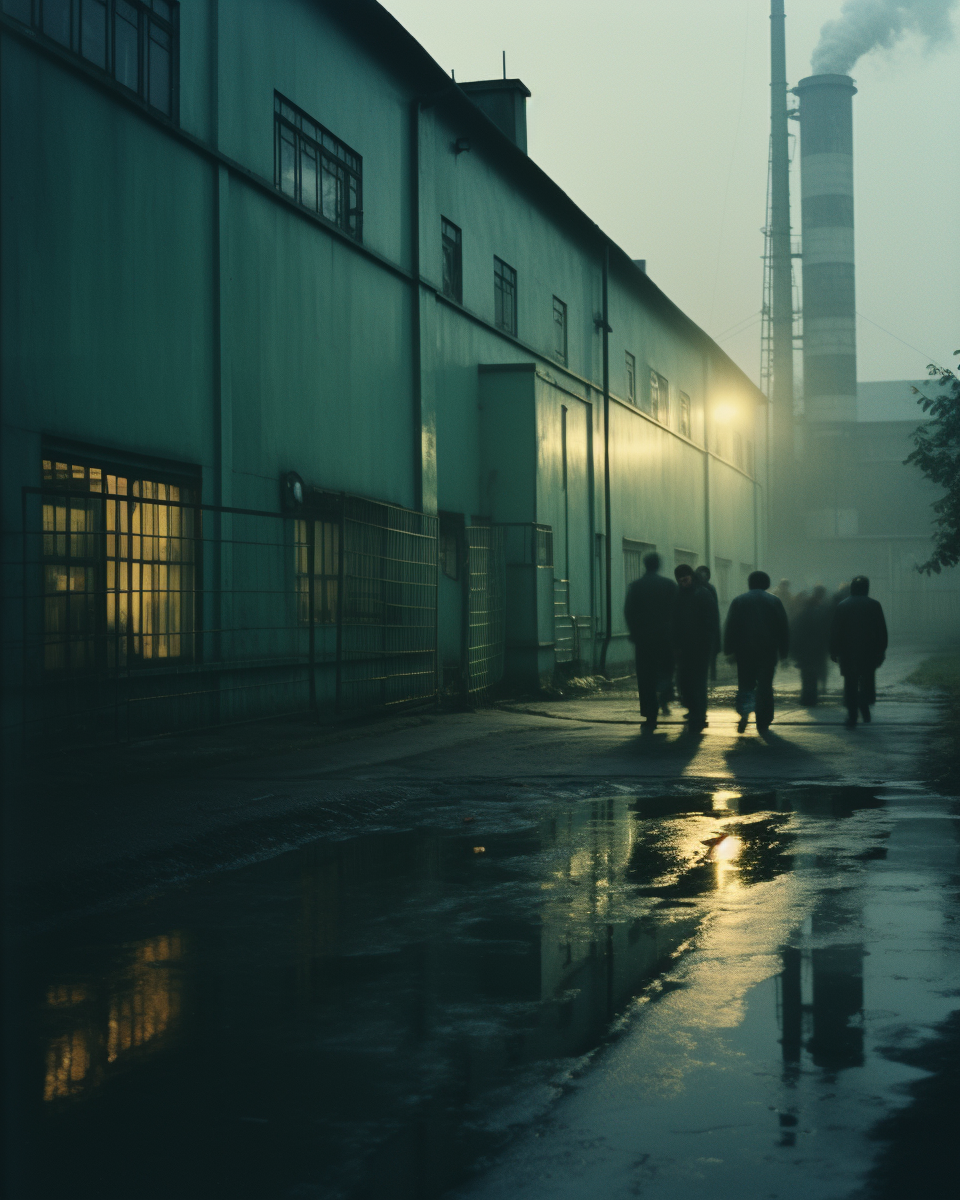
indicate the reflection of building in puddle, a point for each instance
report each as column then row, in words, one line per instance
column 821, row 990
column 103, row 1023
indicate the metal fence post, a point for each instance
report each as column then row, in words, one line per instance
column 311, row 614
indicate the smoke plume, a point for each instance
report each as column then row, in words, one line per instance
column 865, row 25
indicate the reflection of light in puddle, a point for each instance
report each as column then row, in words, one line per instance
column 722, row 798
column 724, row 856
column 726, row 850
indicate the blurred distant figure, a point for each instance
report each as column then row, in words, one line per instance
column 695, row 634
column 785, row 596
column 858, row 642
column 649, row 610
column 810, row 642
column 757, row 634
column 703, row 574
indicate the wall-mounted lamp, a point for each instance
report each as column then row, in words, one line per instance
column 461, row 145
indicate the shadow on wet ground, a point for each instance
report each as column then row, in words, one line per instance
column 401, row 1005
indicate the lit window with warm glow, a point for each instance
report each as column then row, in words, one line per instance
column 119, row 568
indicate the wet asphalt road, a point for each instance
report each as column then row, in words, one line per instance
column 524, row 958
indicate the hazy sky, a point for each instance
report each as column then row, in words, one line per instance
column 654, row 117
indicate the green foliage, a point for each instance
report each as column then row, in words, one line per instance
column 937, row 454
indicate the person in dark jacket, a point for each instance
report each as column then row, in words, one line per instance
column 694, row 633
column 649, row 611
column 703, row 574
column 757, row 634
column 810, row 642
column 858, row 642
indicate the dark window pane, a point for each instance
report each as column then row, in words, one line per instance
column 308, row 176
column 288, row 168
column 332, row 195
column 56, row 20
column 126, row 56
column 20, row 9
column 93, row 31
column 162, row 9
column 353, row 224
column 160, row 89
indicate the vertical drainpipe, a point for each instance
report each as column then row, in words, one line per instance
column 608, row 546
column 415, row 347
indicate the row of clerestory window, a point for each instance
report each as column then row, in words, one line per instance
column 135, row 42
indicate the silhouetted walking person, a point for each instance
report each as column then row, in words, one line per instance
column 695, row 633
column 703, row 574
column 858, row 642
column 649, row 610
column 756, row 635
column 810, row 642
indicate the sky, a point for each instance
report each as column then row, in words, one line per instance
column 654, row 118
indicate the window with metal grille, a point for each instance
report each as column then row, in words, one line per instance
column 119, row 560
column 686, row 424
column 631, row 364
column 452, row 248
column 504, row 296
column 634, row 553
column 317, row 558
column 659, row 406
column 316, row 169
column 559, row 330
column 136, row 42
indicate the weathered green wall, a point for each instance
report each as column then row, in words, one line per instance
column 160, row 298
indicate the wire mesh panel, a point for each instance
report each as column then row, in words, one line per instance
column 486, row 613
column 388, row 616
column 564, row 624
column 131, row 609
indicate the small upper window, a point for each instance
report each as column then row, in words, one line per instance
column 504, row 296
column 137, row 42
column 316, row 169
column 659, row 406
column 685, row 421
column 452, row 246
column 559, row 330
column 631, row 378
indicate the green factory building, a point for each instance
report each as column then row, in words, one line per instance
column 317, row 390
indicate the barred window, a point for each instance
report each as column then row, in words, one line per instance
column 631, row 364
column 317, row 553
column 316, row 169
column 559, row 330
column 136, row 42
column 452, row 249
column 504, row 296
column 634, row 553
column 685, row 417
column 659, row 405
column 119, row 561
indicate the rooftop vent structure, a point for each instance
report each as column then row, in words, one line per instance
column 504, row 101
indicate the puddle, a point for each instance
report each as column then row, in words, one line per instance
column 397, row 1005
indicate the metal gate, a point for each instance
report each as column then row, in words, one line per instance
column 485, row 610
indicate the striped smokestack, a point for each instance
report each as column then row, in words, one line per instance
column 829, row 302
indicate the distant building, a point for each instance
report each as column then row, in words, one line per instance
column 317, row 390
column 873, row 515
